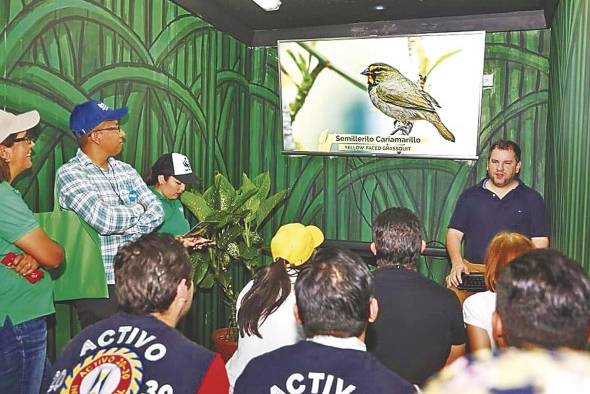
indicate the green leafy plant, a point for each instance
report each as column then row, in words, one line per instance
column 236, row 217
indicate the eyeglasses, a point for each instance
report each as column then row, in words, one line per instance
column 117, row 129
column 26, row 138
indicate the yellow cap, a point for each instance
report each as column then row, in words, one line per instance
column 295, row 243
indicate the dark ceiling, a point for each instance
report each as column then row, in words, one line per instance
column 304, row 19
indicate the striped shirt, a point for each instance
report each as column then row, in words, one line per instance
column 110, row 200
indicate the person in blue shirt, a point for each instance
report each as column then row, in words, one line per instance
column 499, row 202
column 139, row 349
column 334, row 304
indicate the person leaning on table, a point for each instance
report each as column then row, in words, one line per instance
column 24, row 306
column 106, row 193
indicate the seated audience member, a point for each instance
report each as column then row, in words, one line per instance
column 334, row 303
column 542, row 301
column 265, row 305
column 420, row 325
column 516, row 371
column 543, row 315
column 479, row 308
column 138, row 349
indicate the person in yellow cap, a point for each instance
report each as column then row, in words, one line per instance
column 265, row 305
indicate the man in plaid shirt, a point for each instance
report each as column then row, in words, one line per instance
column 106, row 193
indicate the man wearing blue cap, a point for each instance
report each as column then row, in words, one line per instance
column 106, row 193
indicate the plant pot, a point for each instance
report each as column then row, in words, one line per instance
column 223, row 345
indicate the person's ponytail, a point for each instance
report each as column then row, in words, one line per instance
column 271, row 286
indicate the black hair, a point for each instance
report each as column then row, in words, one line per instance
column 271, row 286
column 333, row 294
column 9, row 141
column 543, row 300
column 148, row 271
column 160, row 167
column 4, row 168
column 396, row 234
column 152, row 178
column 506, row 145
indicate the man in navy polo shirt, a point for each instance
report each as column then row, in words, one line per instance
column 500, row 202
column 334, row 304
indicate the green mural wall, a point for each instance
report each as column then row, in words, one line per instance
column 568, row 165
column 196, row 90
column 343, row 194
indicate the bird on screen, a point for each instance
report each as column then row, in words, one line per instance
column 401, row 99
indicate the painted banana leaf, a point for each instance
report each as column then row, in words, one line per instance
column 195, row 90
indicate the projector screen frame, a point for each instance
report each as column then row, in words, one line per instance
column 435, row 139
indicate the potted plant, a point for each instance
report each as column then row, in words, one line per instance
column 236, row 217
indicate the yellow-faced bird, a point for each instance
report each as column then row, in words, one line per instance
column 401, row 99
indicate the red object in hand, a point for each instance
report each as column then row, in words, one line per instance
column 33, row 277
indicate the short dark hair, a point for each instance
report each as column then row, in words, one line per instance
column 9, row 140
column 333, row 294
column 148, row 271
column 505, row 145
column 542, row 298
column 396, row 234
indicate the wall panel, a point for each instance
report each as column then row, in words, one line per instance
column 193, row 89
column 568, row 164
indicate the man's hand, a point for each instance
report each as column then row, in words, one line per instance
column 454, row 277
column 25, row 264
column 454, row 239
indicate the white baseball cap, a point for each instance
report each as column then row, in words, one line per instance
column 12, row 124
column 176, row 165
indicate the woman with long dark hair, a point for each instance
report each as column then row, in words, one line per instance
column 26, row 289
column 265, row 305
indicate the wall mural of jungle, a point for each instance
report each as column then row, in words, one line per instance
column 193, row 89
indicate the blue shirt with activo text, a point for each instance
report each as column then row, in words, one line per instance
column 309, row 367
column 480, row 214
column 128, row 353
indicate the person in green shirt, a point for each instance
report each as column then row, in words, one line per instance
column 167, row 179
column 26, row 289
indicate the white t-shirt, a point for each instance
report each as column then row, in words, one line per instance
column 478, row 310
column 279, row 329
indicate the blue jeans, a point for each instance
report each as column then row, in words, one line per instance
column 23, row 356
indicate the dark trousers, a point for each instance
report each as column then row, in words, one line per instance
column 92, row 310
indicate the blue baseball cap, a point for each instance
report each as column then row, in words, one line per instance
column 88, row 115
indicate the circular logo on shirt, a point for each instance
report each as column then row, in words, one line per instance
column 108, row 371
column 133, row 195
